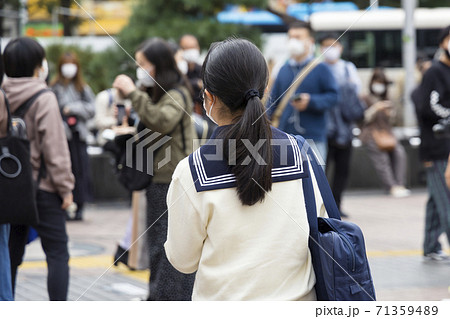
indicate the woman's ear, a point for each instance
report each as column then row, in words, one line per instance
column 208, row 95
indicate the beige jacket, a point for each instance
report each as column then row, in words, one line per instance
column 164, row 117
column 45, row 132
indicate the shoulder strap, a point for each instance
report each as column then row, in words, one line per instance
column 322, row 182
column 20, row 112
column 347, row 71
column 291, row 90
column 110, row 97
column 311, row 212
column 23, row 109
column 8, row 110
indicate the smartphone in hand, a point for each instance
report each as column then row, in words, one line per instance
column 120, row 114
column 296, row 97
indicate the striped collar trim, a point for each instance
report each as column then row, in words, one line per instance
column 212, row 175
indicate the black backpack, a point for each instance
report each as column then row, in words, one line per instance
column 17, row 187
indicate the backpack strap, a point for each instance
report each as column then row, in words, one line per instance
column 8, row 110
column 20, row 112
column 23, row 109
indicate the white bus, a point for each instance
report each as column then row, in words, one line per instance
column 374, row 37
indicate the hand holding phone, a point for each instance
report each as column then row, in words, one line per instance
column 300, row 101
column 296, row 97
column 121, row 114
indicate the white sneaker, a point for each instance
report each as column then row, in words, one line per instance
column 436, row 256
column 399, row 191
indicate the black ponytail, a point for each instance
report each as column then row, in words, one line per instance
column 236, row 72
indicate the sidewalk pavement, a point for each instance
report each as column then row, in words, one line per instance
column 393, row 229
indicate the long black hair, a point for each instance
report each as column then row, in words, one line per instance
column 158, row 52
column 236, row 72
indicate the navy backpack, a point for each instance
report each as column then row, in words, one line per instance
column 337, row 247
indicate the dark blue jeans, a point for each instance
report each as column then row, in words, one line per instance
column 5, row 271
column 52, row 231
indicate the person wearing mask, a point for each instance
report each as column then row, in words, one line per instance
column 386, row 153
column 163, row 108
column 432, row 102
column 230, row 222
column 190, row 49
column 27, row 69
column 110, row 111
column 305, row 113
column 76, row 102
column 5, row 266
column 342, row 117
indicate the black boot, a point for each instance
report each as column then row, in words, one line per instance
column 121, row 256
column 79, row 213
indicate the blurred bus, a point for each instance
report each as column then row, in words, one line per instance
column 371, row 39
column 374, row 37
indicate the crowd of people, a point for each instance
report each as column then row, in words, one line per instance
column 219, row 240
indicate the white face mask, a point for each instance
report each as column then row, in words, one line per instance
column 191, row 55
column 43, row 72
column 69, row 70
column 378, row 88
column 296, row 47
column 183, row 66
column 208, row 114
column 332, row 54
column 144, row 78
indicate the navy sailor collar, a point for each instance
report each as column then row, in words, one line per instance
column 210, row 170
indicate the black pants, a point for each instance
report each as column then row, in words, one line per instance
column 340, row 156
column 52, row 231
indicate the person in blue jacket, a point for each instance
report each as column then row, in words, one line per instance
column 318, row 91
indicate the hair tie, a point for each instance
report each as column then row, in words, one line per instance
column 250, row 94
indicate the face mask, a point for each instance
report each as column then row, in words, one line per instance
column 43, row 72
column 378, row 88
column 208, row 114
column 332, row 54
column 296, row 47
column 144, row 78
column 183, row 66
column 191, row 55
column 69, row 70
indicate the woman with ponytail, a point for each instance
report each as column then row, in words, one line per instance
column 236, row 208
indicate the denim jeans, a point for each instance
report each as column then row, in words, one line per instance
column 5, row 270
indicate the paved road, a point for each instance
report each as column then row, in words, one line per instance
column 393, row 229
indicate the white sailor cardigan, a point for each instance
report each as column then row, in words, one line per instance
column 257, row 252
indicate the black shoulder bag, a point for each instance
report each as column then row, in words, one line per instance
column 135, row 177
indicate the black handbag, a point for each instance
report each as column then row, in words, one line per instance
column 17, row 187
column 135, row 168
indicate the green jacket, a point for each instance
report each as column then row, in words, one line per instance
column 165, row 118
